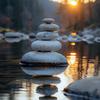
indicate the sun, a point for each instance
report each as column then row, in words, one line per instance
column 72, row 2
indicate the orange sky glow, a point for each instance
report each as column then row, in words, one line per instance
column 72, row 2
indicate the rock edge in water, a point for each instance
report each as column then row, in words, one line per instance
column 84, row 88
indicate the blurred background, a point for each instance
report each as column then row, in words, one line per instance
column 26, row 15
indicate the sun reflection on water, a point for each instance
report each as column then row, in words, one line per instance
column 79, row 67
column 72, row 58
column 71, row 71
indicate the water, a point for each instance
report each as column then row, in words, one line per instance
column 84, row 61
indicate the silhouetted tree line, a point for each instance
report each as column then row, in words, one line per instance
column 20, row 14
column 83, row 15
column 97, row 12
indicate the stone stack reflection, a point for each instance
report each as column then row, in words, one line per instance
column 44, row 62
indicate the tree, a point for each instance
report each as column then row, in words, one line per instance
column 24, row 14
column 96, row 12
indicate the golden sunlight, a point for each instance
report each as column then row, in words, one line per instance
column 73, row 43
column 73, row 2
column 87, row 1
column 72, row 58
column 73, row 33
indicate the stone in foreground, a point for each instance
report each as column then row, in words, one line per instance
column 89, row 87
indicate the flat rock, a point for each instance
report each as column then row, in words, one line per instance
column 88, row 85
column 46, row 45
column 49, row 27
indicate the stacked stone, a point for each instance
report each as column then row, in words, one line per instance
column 43, row 54
column 44, row 61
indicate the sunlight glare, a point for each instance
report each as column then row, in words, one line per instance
column 73, row 43
column 72, row 2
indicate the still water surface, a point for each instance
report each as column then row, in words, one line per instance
column 83, row 59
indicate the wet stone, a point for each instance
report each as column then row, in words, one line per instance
column 47, row 90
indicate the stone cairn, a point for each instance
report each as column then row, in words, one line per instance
column 44, row 62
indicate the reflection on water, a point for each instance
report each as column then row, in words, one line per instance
column 83, row 59
column 72, row 58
